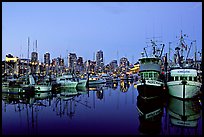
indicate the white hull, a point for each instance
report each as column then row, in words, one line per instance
column 176, row 89
column 69, row 84
column 43, row 88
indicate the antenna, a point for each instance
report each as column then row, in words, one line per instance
column 33, row 46
column 28, row 46
column 117, row 57
column 36, row 45
column 93, row 56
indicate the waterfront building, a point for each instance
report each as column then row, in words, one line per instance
column 47, row 62
column 34, row 57
column 11, row 65
column 99, row 60
column 47, row 58
column 23, row 66
column 113, row 65
column 34, row 62
column 80, row 65
column 124, row 64
column 72, row 61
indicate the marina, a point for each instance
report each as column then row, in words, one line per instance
column 107, row 68
column 99, row 110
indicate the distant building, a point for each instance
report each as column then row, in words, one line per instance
column 113, row 64
column 11, row 65
column 34, row 57
column 72, row 61
column 80, row 65
column 124, row 64
column 60, row 61
column 99, row 60
column 47, row 58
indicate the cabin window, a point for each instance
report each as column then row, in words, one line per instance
column 182, row 78
column 150, row 75
column 190, row 78
column 195, row 78
column 155, row 75
column 146, row 75
column 176, row 78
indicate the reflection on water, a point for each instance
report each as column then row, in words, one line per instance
column 114, row 108
column 150, row 115
column 184, row 115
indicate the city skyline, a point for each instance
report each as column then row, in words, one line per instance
column 118, row 29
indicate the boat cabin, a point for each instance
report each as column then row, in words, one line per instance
column 181, row 74
column 149, row 75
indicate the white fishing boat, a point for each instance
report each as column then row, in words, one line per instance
column 95, row 79
column 184, row 113
column 67, row 81
column 43, row 85
column 183, row 83
column 151, row 84
column 183, row 80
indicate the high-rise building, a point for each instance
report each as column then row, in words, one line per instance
column 72, row 60
column 99, row 59
column 47, row 58
column 124, row 62
column 34, row 57
column 113, row 64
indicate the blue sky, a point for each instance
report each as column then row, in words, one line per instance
column 85, row 28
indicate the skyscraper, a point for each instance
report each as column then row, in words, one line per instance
column 72, row 60
column 99, row 59
column 34, row 57
column 47, row 58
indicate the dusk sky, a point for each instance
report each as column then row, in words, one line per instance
column 85, row 28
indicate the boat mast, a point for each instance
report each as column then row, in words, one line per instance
column 162, row 50
column 195, row 53
column 188, row 51
column 169, row 51
column 145, row 52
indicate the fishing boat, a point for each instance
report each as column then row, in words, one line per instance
column 95, row 79
column 43, row 86
column 67, row 81
column 183, row 80
column 151, row 83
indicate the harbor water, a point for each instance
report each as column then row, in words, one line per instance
column 111, row 109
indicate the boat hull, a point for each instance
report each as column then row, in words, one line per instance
column 177, row 89
column 69, row 85
column 150, row 88
column 81, row 83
